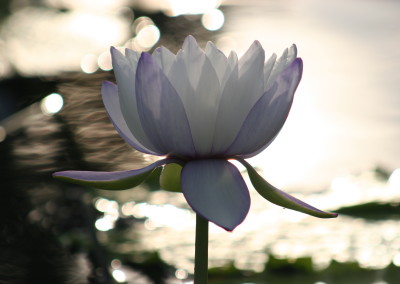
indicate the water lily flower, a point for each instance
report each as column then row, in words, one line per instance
column 199, row 109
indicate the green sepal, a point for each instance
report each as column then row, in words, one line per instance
column 170, row 178
column 280, row 198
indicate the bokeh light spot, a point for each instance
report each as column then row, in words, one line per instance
column 104, row 61
column 148, row 36
column 89, row 63
column 104, row 224
column 181, row 274
column 213, row 20
column 119, row 275
column 52, row 104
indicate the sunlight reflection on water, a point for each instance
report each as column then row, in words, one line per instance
column 35, row 47
column 271, row 229
column 345, row 115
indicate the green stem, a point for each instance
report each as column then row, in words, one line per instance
column 201, row 251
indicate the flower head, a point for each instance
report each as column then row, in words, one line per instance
column 199, row 109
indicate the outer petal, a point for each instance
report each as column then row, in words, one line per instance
column 110, row 97
column 279, row 197
column 161, row 110
column 111, row 180
column 268, row 115
column 125, row 71
column 216, row 190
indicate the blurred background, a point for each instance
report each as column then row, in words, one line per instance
column 338, row 150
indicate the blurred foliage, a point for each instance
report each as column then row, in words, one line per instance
column 289, row 271
column 373, row 210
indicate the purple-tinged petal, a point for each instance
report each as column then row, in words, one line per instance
column 111, row 180
column 125, row 72
column 279, row 197
column 216, row 190
column 161, row 111
column 268, row 115
column 111, row 102
column 285, row 60
column 164, row 58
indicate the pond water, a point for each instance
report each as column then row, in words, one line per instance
column 345, row 116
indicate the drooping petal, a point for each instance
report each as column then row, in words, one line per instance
column 268, row 115
column 161, row 110
column 125, row 72
column 111, row 102
column 216, row 190
column 241, row 91
column 111, row 180
column 279, row 197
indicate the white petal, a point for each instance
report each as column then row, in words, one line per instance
column 133, row 57
column 196, row 81
column 125, row 73
column 194, row 59
column 217, row 59
column 202, row 109
column 232, row 64
column 287, row 57
column 161, row 110
column 164, row 58
column 226, row 128
column 110, row 96
column 268, row 66
column 241, row 92
column 268, row 115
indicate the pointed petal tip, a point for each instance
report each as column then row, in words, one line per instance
column 257, row 43
column 107, row 84
column 114, row 51
column 279, row 197
column 189, row 40
column 120, row 180
column 145, row 56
